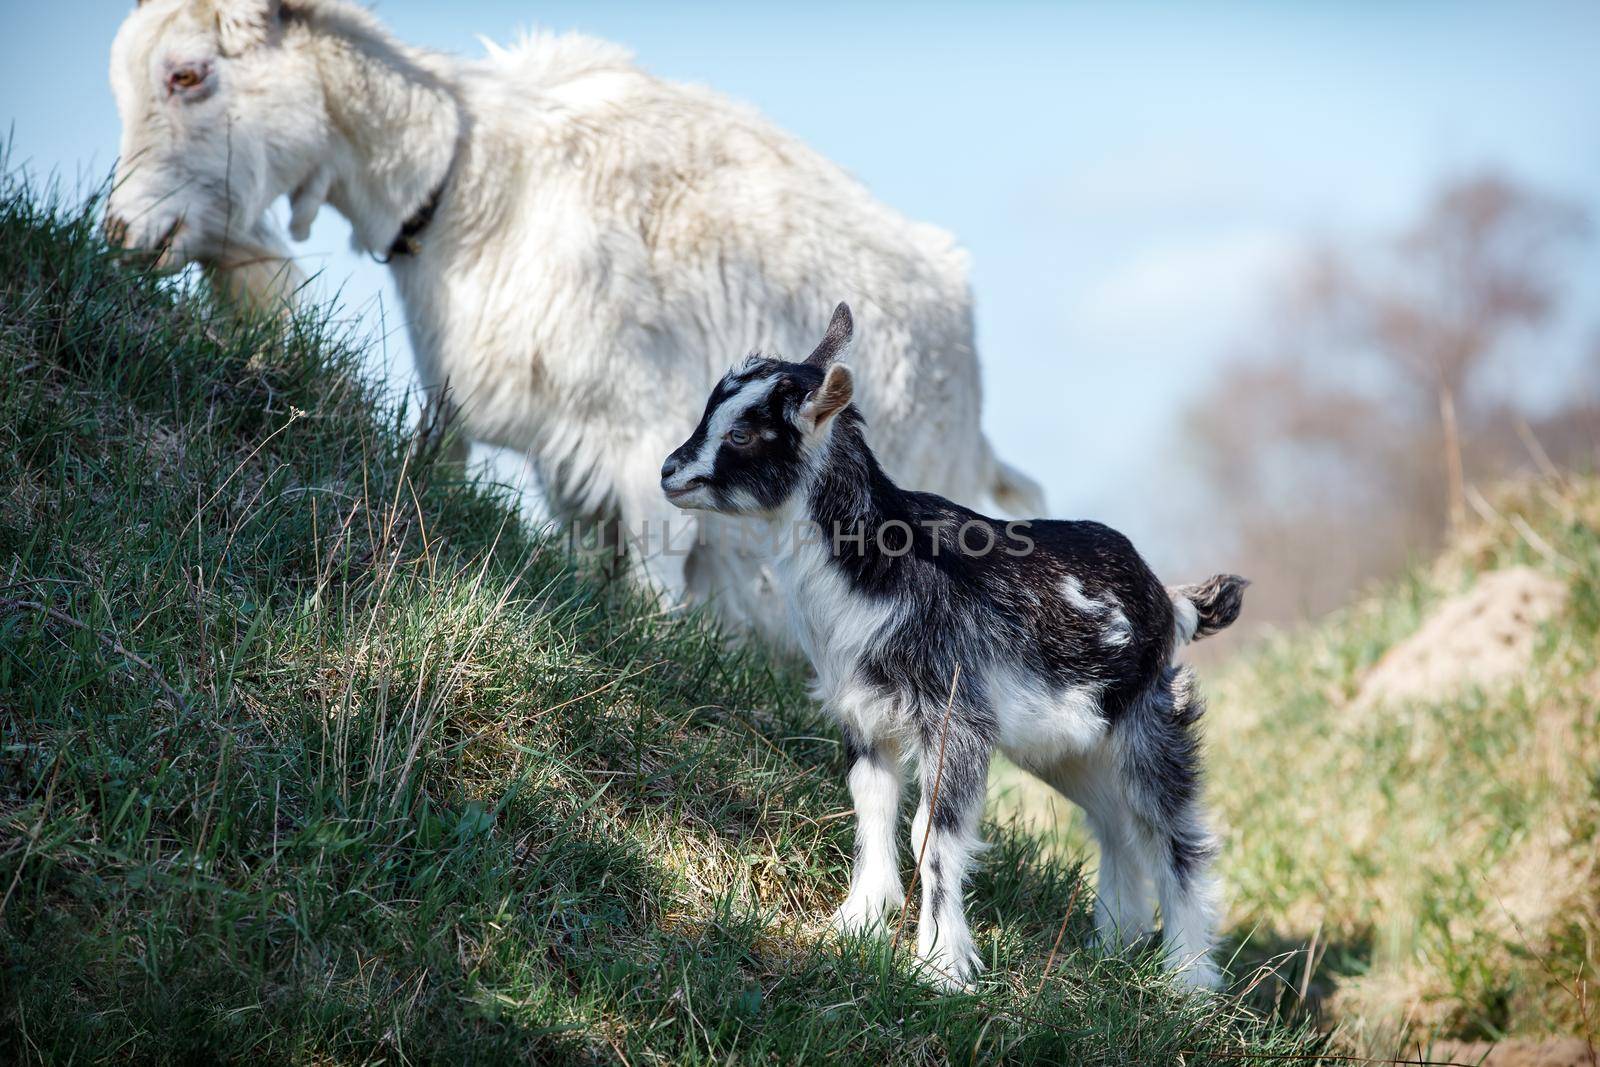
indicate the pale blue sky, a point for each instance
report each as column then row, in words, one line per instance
column 1128, row 178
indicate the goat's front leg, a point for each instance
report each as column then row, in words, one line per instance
column 944, row 837
column 439, row 433
column 875, row 888
column 656, row 537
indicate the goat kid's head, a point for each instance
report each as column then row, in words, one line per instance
column 763, row 429
column 219, row 119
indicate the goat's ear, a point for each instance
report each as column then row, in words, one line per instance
column 828, row 399
column 837, row 340
column 245, row 24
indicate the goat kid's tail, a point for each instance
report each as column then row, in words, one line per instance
column 1206, row 607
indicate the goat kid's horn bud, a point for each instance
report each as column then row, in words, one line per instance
column 841, row 328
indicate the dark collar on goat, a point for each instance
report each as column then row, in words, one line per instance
column 406, row 243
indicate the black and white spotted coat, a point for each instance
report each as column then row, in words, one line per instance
column 939, row 635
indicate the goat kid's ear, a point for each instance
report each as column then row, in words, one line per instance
column 828, row 399
column 841, row 328
column 245, row 24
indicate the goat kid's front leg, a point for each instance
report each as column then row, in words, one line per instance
column 944, row 836
column 875, row 888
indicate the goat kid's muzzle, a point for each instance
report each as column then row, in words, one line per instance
column 684, row 491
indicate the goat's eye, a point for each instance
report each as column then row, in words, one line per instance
column 739, row 437
column 186, row 78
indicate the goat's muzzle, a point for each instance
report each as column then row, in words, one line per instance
column 115, row 230
column 118, row 233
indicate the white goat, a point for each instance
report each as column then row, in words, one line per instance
column 580, row 247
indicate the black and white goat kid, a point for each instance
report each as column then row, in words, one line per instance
column 938, row 634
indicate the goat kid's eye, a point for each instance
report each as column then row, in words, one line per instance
column 739, row 438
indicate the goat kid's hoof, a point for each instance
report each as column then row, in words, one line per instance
column 1197, row 975
column 950, row 972
column 860, row 915
column 1111, row 940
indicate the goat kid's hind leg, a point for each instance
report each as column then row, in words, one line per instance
column 944, row 837
column 1161, row 760
column 1188, row 893
column 1124, row 908
column 875, row 887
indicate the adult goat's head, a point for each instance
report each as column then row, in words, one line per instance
column 219, row 118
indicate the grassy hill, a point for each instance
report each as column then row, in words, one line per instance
column 1426, row 867
column 308, row 753
column 1445, row 845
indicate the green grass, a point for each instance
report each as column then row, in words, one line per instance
column 310, row 753
column 1439, row 859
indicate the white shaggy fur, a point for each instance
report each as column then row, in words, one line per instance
column 1186, row 618
column 604, row 244
column 1117, row 630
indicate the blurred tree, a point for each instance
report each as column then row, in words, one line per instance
column 1342, row 438
column 1480, row 264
